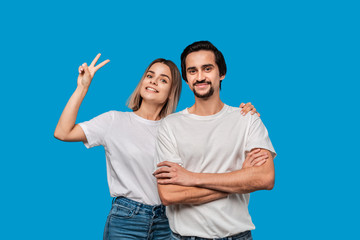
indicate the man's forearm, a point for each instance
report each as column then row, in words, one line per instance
column 241, row 181
column 176, row 194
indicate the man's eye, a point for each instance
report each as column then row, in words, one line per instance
column 192, row 71
column 208, row 69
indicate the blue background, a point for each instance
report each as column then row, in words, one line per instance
column 296, row 61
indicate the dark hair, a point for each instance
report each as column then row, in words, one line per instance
column 203, row 45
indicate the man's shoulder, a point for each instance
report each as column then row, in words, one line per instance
column 236, row 112
column 232, row 109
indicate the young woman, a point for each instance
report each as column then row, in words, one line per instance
column 129, row 141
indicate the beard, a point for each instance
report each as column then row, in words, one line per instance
column 208, row 94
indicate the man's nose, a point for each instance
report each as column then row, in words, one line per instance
column 200, row 76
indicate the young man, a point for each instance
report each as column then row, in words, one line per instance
column 210, row 156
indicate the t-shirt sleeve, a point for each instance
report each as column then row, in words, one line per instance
column 96, row 129
column 258, row 136
column 166, row 147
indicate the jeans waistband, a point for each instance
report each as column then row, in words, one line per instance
column 157, row 209
column 236, row 236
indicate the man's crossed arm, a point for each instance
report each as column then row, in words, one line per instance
column 177, row 185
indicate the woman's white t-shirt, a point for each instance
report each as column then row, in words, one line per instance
column 129, row 142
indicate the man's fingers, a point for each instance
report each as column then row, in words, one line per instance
column 100, row 65
column 163, row 175
column 254, row 156
column 166, row 163
column 260, row 154
column 252, row 152
column 260, row 163
column 95, row 60
column 162, row 170
column 258, row 158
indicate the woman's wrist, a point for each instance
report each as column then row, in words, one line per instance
column 81, row 90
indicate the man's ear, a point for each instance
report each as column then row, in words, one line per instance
column 222, row 77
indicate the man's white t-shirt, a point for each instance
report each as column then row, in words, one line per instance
column 129, row 142
column 211, row 144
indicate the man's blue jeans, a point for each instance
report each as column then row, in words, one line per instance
column 241, row 236
column 129, row 219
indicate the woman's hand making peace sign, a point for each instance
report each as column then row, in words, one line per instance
column 86, row 73
column 66, row 129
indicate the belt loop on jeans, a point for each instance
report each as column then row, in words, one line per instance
column 137, row 209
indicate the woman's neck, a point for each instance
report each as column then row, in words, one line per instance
column 149, row 111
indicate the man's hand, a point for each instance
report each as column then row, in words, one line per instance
column 255, row 158
column 173, row 173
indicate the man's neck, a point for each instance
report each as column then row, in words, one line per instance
column 206, row 107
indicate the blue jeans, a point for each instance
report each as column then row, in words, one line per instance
column 129, row 219
column 240, row 236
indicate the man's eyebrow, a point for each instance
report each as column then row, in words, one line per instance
column 190, row 68
column 207, row 65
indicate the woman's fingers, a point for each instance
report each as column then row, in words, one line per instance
column 246, row 108
column 95, row 60
column 93, row 63
column 85, row 68
column 101, row 64
column 253, row 111
column 81, row 69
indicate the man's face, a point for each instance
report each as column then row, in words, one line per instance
column 203, row 74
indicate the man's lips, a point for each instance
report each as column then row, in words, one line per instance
column 202, row 84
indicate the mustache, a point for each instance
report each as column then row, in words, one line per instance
column 202, row 81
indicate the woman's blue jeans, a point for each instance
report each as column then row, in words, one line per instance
column 129, row 219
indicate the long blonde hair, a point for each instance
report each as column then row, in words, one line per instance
column 135, row 99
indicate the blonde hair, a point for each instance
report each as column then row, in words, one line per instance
column 135, row 99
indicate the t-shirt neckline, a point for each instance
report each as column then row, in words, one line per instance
column 143, row 120
column 209, row 117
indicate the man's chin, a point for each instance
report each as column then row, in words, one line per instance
column 205, row 95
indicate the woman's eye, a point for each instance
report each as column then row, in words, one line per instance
column 148, row 76
column 163, row 80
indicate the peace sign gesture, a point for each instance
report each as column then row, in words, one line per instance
column 86, row 73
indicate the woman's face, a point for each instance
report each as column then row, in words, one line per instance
column 156, row 85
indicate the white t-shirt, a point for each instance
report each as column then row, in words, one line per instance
column 211, row 144
column 129, row 143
